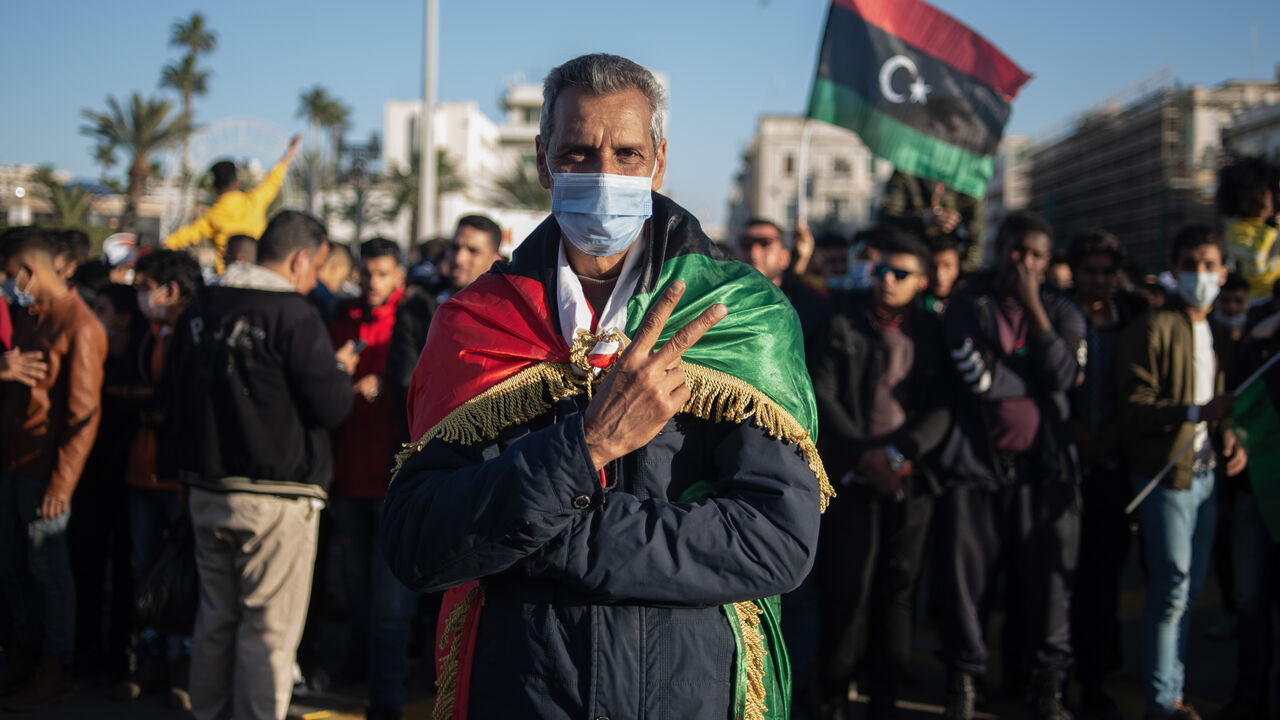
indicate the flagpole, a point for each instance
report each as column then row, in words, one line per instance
column 426, row 125
column 802, row 173
column 1137, row 500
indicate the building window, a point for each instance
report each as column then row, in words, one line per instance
column 835, row 208
column 531, row 115
column 840, row 167
column 789, row 164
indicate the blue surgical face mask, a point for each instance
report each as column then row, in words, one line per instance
column 1198, row 290
column 599, row 213
column 21, row 297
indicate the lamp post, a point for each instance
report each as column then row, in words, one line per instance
column 426, row 125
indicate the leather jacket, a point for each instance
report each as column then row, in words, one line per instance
column 48, row 430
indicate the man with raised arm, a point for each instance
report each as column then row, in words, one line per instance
column 613, row 472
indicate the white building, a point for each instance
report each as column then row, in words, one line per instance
column 1255, row 131
column 1010, row 186
column 842, row 185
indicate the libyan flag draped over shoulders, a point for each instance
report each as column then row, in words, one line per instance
column 921, row 89
column 495, row 357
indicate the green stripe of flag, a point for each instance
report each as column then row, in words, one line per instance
column 1257, row 425
column 759, row 342
column 907, row 149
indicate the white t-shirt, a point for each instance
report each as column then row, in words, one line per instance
column 1203, row 369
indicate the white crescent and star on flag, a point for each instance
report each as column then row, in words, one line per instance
column 918, row 91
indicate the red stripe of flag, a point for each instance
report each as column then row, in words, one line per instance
column 930, row 30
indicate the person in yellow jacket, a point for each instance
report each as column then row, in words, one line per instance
column 236, row 212
column 1247, row 194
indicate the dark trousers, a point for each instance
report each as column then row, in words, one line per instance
column 868, row 559
column 1104, row 543
column 1031, row 532
column 1255, row 567
column 98, row 541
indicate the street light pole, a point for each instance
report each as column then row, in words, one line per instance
column 426, row 125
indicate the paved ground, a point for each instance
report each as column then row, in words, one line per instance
column 1211, row 667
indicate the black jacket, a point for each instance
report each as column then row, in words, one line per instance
column 413, row 319
column 1054, row 364
column 846, row 360
column 257, row 390
column 604, row 601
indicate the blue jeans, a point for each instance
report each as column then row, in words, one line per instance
column 35, row 569
column 151, row 513
column 1177, row 531
column 379, row 606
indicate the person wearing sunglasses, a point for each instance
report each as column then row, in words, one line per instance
column 883, row 383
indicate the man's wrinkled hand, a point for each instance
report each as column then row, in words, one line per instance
column 28, row 368
column 644, row 389
column 54, row 505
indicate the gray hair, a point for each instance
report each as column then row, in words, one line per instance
column 602, row 74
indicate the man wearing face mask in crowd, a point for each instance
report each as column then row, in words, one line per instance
column 167, row 282
column 257, row 387
column 599, row 480
column 1172, row 394
column 47, row 428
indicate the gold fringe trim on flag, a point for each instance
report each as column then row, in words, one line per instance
column 720, row 397
column 749, row 613
column 716, row 396
column 447, row 682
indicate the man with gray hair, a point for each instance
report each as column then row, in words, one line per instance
column 614, row 474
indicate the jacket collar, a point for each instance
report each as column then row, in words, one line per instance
column 255, row 277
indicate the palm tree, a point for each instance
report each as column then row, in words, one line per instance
column 194, row 35
column 404, row 187
column 71, row 205
column 183, row 76
column 315, row 105
column 337, row 120
column 142, row 127
column 189, row 81
column 521, row 189
column 104, row 153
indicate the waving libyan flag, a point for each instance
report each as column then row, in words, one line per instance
column 497, row 355
column 922, row 90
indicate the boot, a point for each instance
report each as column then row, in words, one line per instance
column 50, row 685
column 961, row 695
column 1046, row 699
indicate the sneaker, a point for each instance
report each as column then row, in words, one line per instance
column 125, row 690
column 1046, row 699
column 50, row 685
column 179, row 699
column 960, row 697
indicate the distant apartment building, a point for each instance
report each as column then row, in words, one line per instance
column 842, row 184
column 1255, row 131
column 1010, row 185
column 1144, row 168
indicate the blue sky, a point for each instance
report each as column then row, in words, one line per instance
column 728, row 60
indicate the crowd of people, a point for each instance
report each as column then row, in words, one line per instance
column 987, row 410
